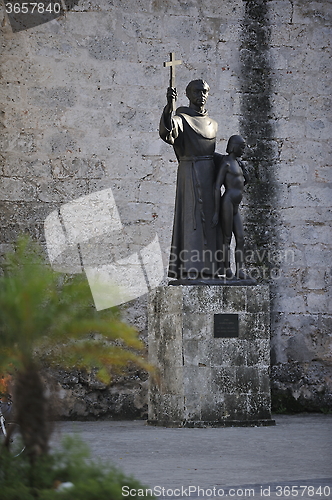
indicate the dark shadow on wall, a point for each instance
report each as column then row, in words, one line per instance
column 257, row 128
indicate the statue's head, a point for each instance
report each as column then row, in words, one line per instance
column 236, row 144
column 197, row 92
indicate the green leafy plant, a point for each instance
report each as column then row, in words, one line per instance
column 69, row 466
column 46, row 315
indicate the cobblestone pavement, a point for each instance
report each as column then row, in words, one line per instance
column 291, row 459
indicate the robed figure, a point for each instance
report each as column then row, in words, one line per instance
column 192, row 133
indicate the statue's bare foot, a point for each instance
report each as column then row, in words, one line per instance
column 229, row 273
column 240, row 274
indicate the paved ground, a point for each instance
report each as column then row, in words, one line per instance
column 258, row 461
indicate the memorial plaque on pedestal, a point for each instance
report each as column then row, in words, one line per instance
column 226, row 326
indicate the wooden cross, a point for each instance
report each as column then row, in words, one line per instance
column 171, row 64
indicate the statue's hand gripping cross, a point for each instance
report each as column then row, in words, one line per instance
column 171, row 64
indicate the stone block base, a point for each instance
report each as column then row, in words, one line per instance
column 210, row 375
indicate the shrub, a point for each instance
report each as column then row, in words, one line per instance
column 21, row 480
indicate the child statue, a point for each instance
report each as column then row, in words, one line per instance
column 232, row 175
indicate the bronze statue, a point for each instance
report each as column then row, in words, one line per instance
column 232, row 175
column 192, row 133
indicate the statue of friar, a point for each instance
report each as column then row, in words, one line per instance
column 192, row 133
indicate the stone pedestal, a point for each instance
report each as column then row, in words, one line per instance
column 213, row 368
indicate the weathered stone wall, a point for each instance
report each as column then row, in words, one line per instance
column 81, row 99
column 300, row 54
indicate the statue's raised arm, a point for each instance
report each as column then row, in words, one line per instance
column 168, row 124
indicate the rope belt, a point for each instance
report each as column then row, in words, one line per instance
column 196, row 158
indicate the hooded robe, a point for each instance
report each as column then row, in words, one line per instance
column 193, row 137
